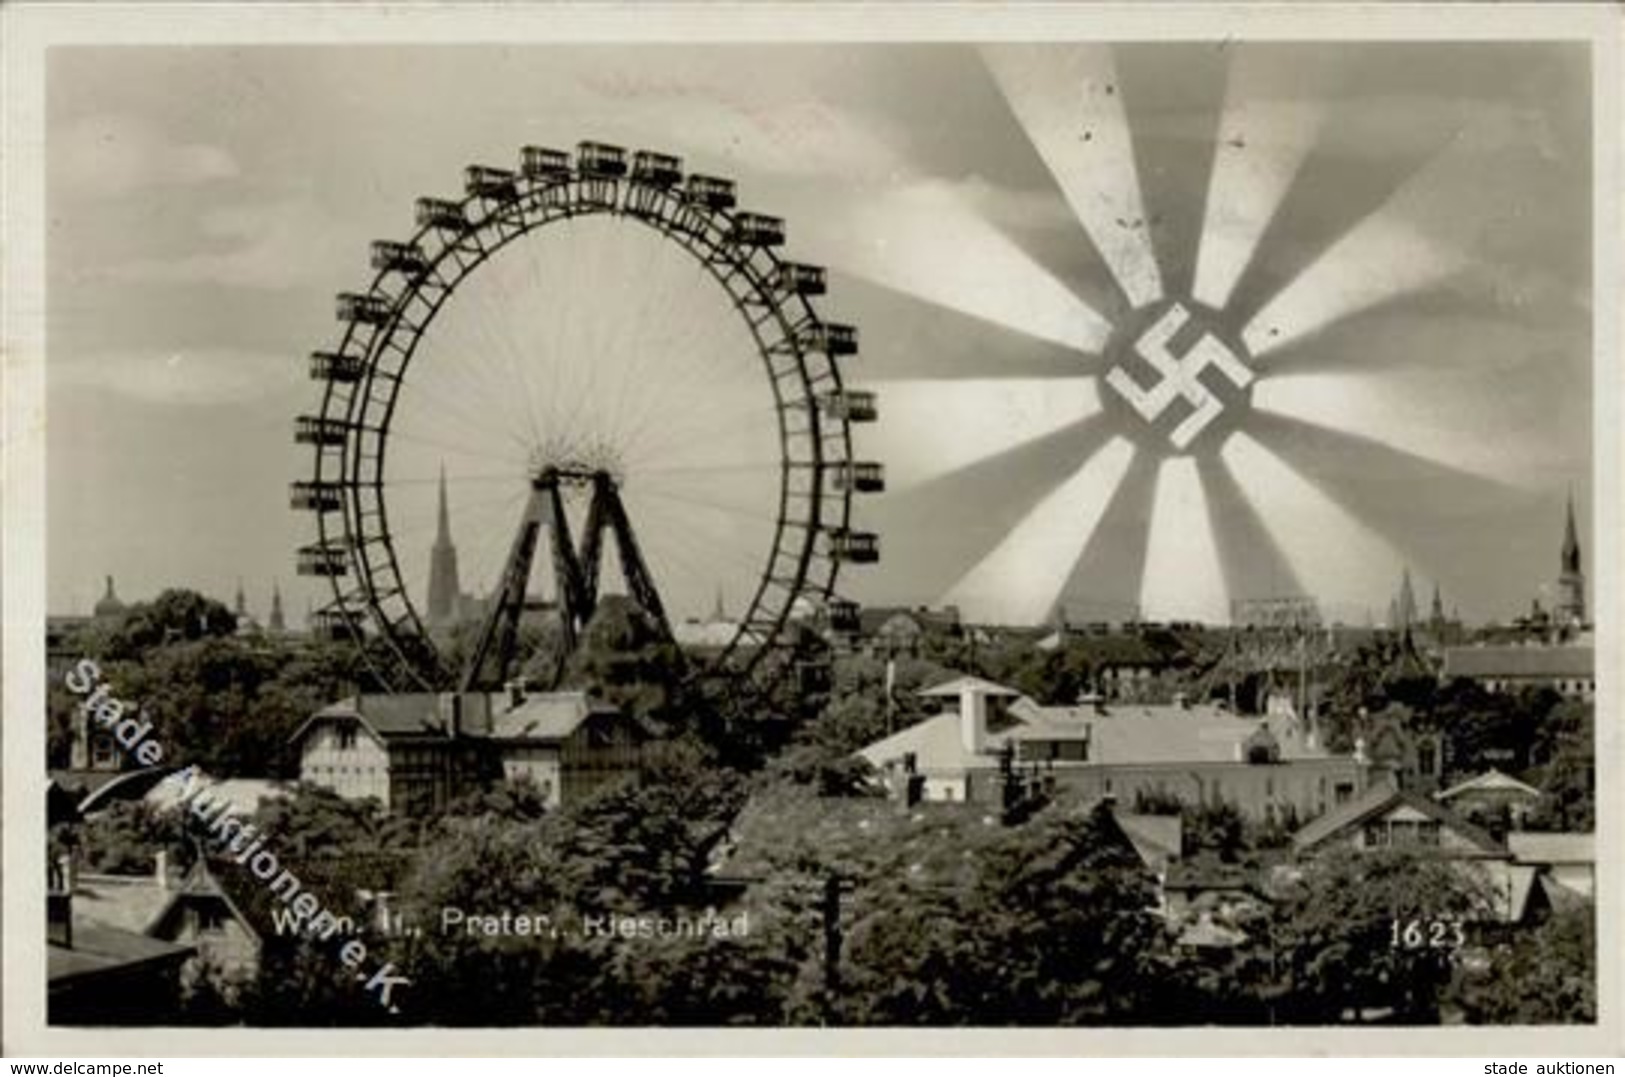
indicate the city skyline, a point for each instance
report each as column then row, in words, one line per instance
column 193, row 261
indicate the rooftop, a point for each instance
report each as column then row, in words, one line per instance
column 404, row 715
column 1380, row 799
column 1490, row 781
column 1520, row 661
column 98, row 948
column 1530, row 847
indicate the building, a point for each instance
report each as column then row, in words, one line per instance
column 188, row 909
column 1568, row 862
column 1268, row 768
column 108, row 607
column 1514, row 887
column 1570, row 669
column 1570, row 608
column 1489, row 796
column 416, row 752
column 98, row 975
column 904, row 630
column 1387, row 817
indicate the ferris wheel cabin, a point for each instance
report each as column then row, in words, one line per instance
column 710, row 191
column 317, row 430
column 404, row 258
column 841, row 614
column 367, row 309
column 757, row 230
column 327, row 561
column 316, row 496
column 851, row 405
column 831, row 338
column 860, row 476
column 656, row 169
column 544, row 163
column 336, row 366
column 600, row 160
column 496, row 184
column 857, row 547
column 798, row 278
column 441, row 213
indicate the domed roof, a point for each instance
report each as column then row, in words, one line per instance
column 109, row 604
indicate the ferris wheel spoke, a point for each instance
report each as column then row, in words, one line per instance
column 461, row 450
column 434, row 409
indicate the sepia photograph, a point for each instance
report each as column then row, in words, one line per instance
column 975, row 530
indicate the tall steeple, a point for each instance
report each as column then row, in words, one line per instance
column 1438, row 605
column 1407, row 602
column 277, row 622
column 241, row 606
column 443, row 586
column 1571, row 582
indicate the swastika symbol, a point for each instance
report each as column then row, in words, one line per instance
column 1180, row 376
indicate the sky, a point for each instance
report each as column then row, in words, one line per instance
column 1389, row 242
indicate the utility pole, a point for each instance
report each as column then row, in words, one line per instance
column 834, row 886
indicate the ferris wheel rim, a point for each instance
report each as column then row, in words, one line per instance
column 366, row 535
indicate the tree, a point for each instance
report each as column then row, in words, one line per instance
column 636, row 849
column 1332, row 939
column 176, row 615
column 1546, row 975
column 125, row 838
column 1051, row 927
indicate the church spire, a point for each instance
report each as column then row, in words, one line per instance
column 277, row 622
column 1571, row 542
column 442, row 536
column 1571, row 581
column 241, row 608
column 444, row 589
column 1407, row 601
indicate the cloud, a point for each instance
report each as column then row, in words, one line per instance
column 184, row 376
column 109, row 156
column 287, row 243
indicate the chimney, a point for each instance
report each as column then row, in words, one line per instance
column 68, row 873
column 160, row 869
column 516, row 692
column 973, row 720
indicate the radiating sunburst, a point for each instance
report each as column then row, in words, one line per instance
column 1208, row 434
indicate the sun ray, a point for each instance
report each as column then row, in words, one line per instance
column 1434, row 227
column 1264, row 136
column 1405, row 414
column 1184, row 580
column 1105, row 584
column 928, row 341
column 1435, row 515
column 1067, row 98
column 1254, row 565
column 930, row 239
column 932, row 428
column 1019, row 581
column 1344, row 564
column 1173, row 98
column 1004, row 488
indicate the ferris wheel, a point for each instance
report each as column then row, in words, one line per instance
column 612, row 363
